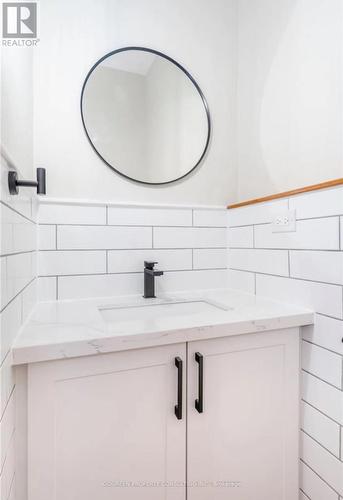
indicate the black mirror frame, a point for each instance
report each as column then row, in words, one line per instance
column 204, row 101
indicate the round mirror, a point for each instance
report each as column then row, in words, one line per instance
column 145, row 116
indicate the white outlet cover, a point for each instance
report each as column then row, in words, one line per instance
column 284, row 222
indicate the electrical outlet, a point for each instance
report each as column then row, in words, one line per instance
column 284, row 222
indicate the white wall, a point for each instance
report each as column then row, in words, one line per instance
column 17, row 107
column 197, row 33
column 17, row 249
column 282, row 130
column 290, row 93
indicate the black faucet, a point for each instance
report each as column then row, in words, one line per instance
column 149, row 279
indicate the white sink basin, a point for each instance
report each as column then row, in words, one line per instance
column 150, row 311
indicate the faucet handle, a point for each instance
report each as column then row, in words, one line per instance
column 149, row 265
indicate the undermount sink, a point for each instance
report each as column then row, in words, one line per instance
column 158, row 310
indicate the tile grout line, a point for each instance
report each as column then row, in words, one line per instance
column 12, row 485
column 284, row 276
column 328, row 316
column 304, row 494
column 132, row 249
column 18, row 213
column 322, row 347
column 5, row 458
column 320, row 411
column 2, row 362
column 290, row 249
column 320, row 477
column 104, row 225
column 123, row 273
column 9, row 397
column 319, row 443
column 14, row 254
column 17, row 295
column 321, row 379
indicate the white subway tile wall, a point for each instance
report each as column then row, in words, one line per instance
column 70, row 237
column 207, row 258
column 315, row 487
column 262, row 213
column 322, row 298
column 209, row 218
column 321, row 428
column 324, row 364
column 97, row 251
column 328, row 467
column 317, row 266
column 72, row 214
column 189, row 237
column 259, row 261
column 312, row 234
column 47, row 237
column 141, row 216
column 56, row 263
column 323, row 397
column 18, row 296
column 303, row 267
column 47, row 289
column 241, row 237
column 122, row 261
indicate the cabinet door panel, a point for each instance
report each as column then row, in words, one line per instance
column 244, row 446
column 104, row 427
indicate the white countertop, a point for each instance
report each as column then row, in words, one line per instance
column 73, row 328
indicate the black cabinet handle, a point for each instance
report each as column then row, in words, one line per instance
column 178, row 407
column 199, row 403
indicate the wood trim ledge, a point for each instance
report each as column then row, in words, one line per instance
column 286, row 194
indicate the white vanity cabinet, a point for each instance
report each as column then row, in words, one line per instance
column 244, row 446
column 105, row 427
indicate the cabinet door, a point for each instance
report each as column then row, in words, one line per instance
column 244, row 446
column 104, row 427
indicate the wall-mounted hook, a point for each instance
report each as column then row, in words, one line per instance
column 14, row 183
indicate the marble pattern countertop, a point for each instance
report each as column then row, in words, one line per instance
column 68, row 329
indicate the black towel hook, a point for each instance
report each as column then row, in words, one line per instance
column 14, row 183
